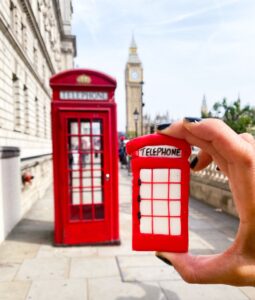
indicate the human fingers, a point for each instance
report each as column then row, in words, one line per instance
column 224, row 268
column 194, row 269
column 212, row 135
column 178, row 130
column 240, row 157
column 224, row 140
column 200, row 161
column 248, row 138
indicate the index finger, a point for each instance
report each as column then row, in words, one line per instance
column 215, row 132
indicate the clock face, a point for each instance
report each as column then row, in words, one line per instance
column 134, row 75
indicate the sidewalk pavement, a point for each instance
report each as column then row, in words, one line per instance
column 32, row 268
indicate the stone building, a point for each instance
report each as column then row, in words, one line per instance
column 35, row 43
column 134, row 92
column 204, row 108
column 150, row 124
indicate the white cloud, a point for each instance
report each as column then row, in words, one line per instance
column 184, row 16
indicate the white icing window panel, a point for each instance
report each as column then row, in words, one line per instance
column 145, row 225
column 174, row 191
column 160, row 175
column 175, row 226
column 160, row 191
column 145, row 175
column 160, row 226
column 145, row 207
column 145, row 191
column 160, row 205
column 175, row 175
column 175, row 208
column 160, row 208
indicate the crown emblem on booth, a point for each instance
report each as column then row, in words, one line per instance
column 83, row 79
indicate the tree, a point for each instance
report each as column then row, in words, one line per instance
column 240, row 119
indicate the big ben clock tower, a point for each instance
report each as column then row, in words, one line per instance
column 134, row 84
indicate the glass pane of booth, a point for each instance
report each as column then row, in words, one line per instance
column 85, row 127
column 85, row 144
column 74, row 127
column 85, row 161
column 97, row 160
column 74, row 160
column 96, row 143
column 97, row 195
column 96, row 127
column 86, row 180
column 74, row 143
column 87, row 196
column 76, row 197
column 74, row 179
column 85, row 167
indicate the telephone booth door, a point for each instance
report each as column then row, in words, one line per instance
column 86, row 177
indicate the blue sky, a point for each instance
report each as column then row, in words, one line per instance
column 188, row 48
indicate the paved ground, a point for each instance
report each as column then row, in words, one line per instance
column 31, row 268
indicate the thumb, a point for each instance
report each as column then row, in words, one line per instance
column 184, row 264
column 217, row 268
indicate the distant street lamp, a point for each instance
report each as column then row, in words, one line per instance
column 142, row 105
column 157, row 122
column 136, row 116
column 146, row 123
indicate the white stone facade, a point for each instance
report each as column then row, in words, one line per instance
column 35, row 43
column 33, row 46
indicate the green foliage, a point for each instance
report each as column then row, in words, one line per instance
column 240, row 119
column 206, row 115
column 131, row 134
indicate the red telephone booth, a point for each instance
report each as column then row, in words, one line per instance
column 160, row 192
column 85, row 158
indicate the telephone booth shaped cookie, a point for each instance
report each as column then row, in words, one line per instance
column 161, row 172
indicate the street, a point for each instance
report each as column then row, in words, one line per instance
column 32, row 268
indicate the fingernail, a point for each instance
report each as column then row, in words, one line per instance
column 163, row 126
column 193, row 162
column 192, row 120
column 166, row 261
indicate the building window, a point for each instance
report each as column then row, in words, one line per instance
column 35, row 58
column 37, row 117
column 15, row 20
column 24, row 36
column 26, row 109
column 17, row 104
column 13, row 10
column 43, row 73
column 39, row 18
